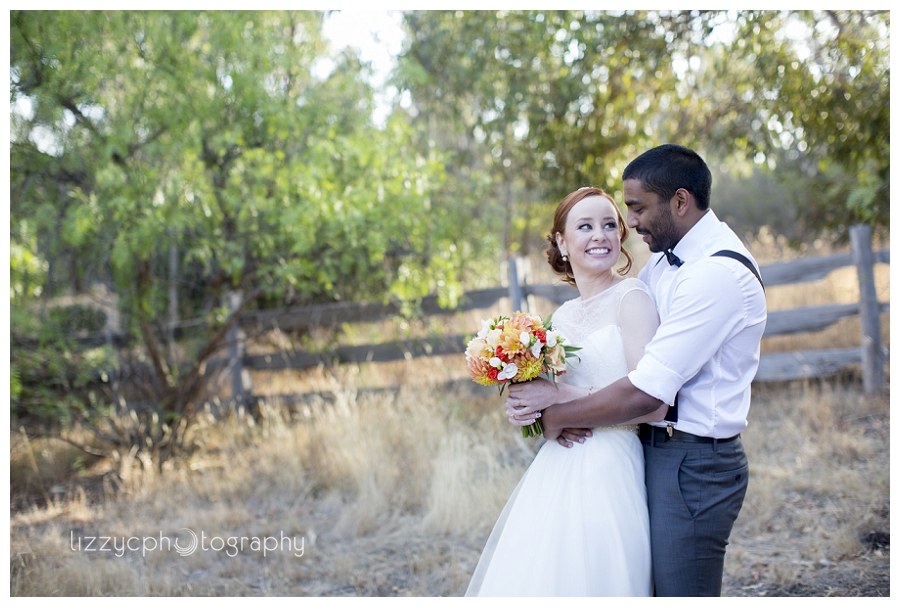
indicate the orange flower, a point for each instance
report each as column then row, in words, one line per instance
column 529, row 368
column 480, row 371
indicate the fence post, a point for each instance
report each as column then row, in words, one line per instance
column 515, row 289
column 173, row 301
column 869, row 312
column 235, row 339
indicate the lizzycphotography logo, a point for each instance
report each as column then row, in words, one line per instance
column 231, row 545
column 190, row 547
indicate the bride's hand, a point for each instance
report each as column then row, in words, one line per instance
column 569, row 436
column 525, row 401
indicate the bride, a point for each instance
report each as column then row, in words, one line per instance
column 577, row 523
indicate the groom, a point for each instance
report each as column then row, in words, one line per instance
column 700, row 362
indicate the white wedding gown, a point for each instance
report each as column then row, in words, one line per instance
column 577, row 523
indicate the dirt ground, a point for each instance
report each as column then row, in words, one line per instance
column 867, row 573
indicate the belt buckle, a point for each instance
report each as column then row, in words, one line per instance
column 670, row 430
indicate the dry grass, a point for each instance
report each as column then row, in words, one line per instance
column 394, row 493
column 425, row 370
column 415, row 478
column 819, row 492
column 47, row 467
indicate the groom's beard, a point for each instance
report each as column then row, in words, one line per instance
column 663, row 232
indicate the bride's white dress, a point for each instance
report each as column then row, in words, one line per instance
column 577, row 523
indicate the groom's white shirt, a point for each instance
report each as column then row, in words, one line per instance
column 712, row 314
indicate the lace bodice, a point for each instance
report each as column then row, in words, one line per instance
column 594, row 324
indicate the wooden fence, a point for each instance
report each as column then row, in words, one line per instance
column 773, row 367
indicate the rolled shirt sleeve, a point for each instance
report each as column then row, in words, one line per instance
column 657, row 380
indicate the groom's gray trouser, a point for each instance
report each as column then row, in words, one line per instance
column 694, row 493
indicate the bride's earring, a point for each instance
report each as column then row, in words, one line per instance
column 565, row 258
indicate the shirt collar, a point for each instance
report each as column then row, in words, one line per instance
column 690, row 247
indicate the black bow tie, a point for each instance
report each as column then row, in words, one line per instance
column 673, row 259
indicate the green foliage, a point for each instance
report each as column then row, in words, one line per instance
column 135, row 133
column 27, row 271
column 528, row 78
column 864, row 200
column 543, row 102
column 747, row 203
column 52, row 379
column 15, row 381
column 808, row 94
column 235, row 154
column 76, row 318
column 548, row 101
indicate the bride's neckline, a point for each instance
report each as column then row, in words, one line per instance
column 605, row 291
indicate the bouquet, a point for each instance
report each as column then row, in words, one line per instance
column 518, row 349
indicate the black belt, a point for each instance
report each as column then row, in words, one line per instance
column 661, row 435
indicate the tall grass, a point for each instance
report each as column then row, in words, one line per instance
column 421, row 476
column 390, row 468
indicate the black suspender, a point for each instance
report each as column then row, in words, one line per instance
column 738, row 257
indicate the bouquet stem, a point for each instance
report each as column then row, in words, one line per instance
column 535, row 429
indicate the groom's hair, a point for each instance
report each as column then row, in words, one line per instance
column 666, row 168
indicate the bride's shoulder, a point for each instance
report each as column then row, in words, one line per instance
column 632, row 289
column 632, row 284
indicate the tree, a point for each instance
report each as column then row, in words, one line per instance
column 546, row 101
column 205, row 137
column 542, row 102
column 807, row 93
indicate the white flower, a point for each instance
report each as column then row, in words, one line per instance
column 485, row 327
column 552, row 338
column 536, row 348
column 493, row 337
column 525, row 338
column 496, row 363
column 508, row 372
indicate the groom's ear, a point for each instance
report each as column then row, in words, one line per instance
column 681, row 202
